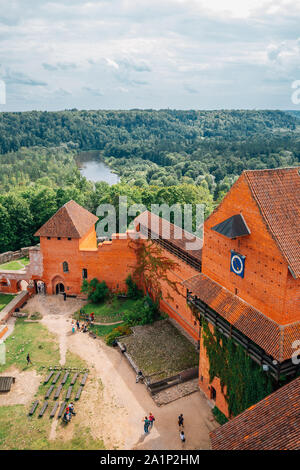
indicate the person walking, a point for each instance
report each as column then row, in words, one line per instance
column 78, row 325
column 151, row 419
column 182, row 436
column 28, row 359
column 180, row 421
column 146, row 425
column 73, row 328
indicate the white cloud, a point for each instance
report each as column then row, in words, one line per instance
column 151, row 53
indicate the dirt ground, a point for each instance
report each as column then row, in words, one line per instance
column 112, row 405
column 24, row 388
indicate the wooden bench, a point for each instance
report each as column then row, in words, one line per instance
column 33, row 408
column 57, row 393
column 69, row 392
column 6, row 383
column 78, row 393
column 74, row 378
column 44, row 407
column 61, row 409
column 56, row 377
column 49, row 391
column 84, row 379
column 48, row 377
column 52, row 414
column 65, row 378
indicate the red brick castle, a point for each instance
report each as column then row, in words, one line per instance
column 245, row 280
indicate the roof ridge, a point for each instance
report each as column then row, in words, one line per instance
column 70, row 215
column 170, row 223
column 272, row 169
column 71, row 220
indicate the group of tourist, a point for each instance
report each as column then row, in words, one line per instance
column 84, row 326
column 149, row 421
column 181, row 426
column 69, row 411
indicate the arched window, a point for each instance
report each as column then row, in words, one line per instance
column 65, row 267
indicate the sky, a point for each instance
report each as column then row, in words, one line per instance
column 124, row 54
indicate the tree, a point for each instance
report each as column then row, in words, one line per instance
column 153, row 268
column 5, row 230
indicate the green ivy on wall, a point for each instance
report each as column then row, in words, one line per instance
column 246, row 383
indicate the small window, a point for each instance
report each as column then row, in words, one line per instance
column 65, row 267
column 48, row 238
column 58, row 238
column 84, row 273
column 69, row 238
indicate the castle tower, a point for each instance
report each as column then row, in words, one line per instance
column 70, row 229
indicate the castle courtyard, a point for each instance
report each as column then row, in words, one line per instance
column 112, row 405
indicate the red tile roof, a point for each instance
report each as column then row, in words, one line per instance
column 271, row 424
column 71, row 220
column 276, row 340
column 175, row 235
column 277, row 193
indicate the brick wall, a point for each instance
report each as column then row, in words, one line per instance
column 267, row 284
column 112, row 261
column 204, row 380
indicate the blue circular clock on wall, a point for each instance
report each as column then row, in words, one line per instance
column 237, row 263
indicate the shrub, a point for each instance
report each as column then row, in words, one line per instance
column 97, row 291
column 122, row 330
column 133, row 292
column 144, row 312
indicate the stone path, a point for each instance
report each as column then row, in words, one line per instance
column 177, row 391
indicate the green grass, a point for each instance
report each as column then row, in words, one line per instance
column 110, row 311
column 15, row 265
column 18, row 430
column 103, row 330
column 32, row 338
column 4, row 300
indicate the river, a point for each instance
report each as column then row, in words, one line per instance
column 94, row 169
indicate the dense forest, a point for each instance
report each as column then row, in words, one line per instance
column 162, row 156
